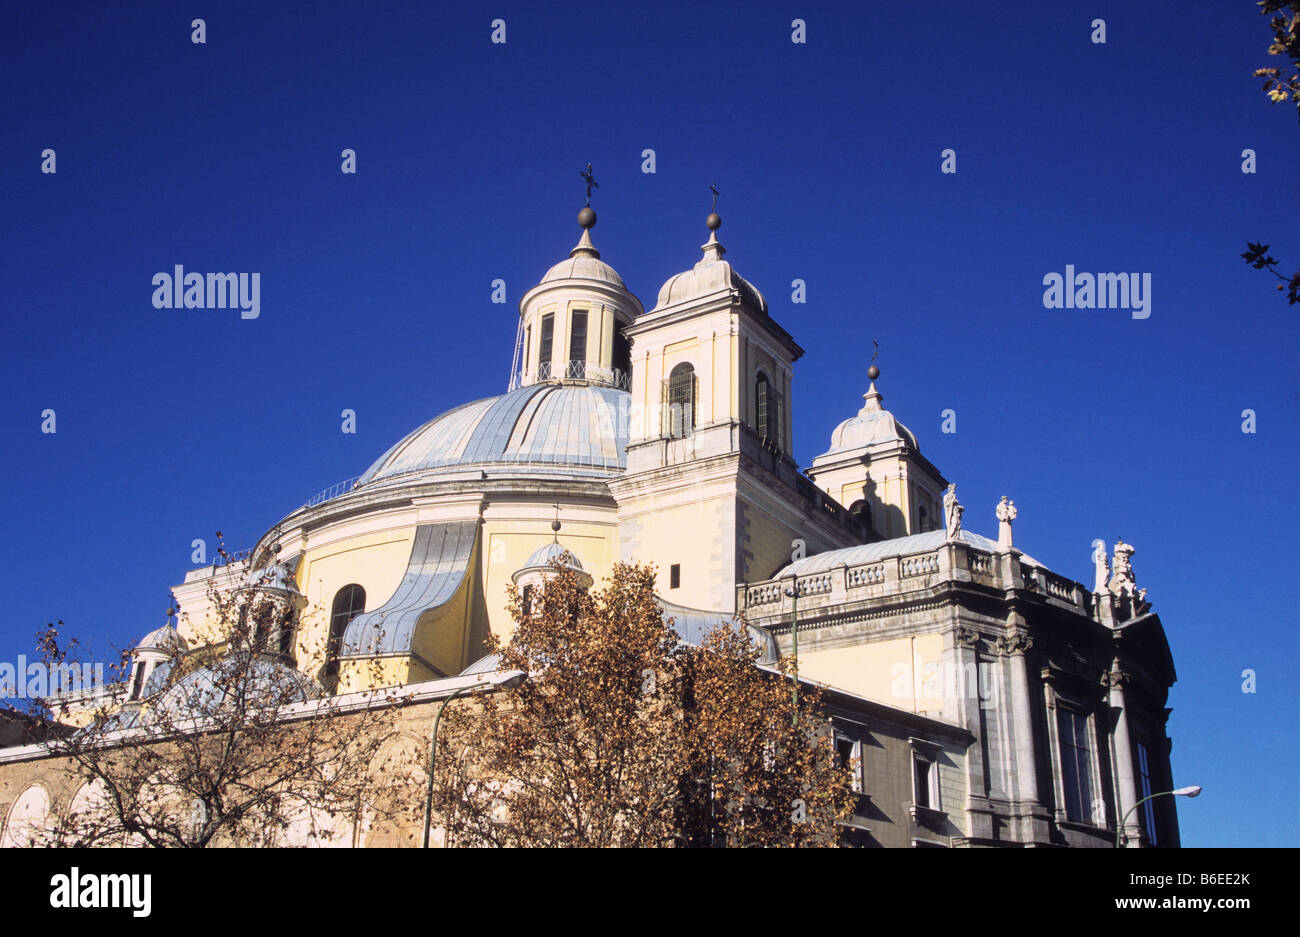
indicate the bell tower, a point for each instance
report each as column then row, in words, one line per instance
column 711, row 495
column 708, row 359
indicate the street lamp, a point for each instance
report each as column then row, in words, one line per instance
column 1191, row 791
column 502, row 680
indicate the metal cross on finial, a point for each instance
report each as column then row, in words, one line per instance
column 714, row 189
column 875, row 353
column 591, row 182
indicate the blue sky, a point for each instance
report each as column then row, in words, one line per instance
column 375, row 290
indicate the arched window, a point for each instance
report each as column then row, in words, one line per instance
column 577, row 344
column 27, row 819
column 767, row 406
column 137, row 685
column 349, row 602
column 680, row 396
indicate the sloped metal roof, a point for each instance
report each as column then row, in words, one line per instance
column 572, row 425
column 439, row 557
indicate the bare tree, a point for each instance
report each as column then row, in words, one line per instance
column 623, row 736
column 228, row 743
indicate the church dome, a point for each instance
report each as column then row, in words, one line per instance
column 710, row 275
column 165, row 639
column 872, row 426
column 553, row 551
column 570, row 428
column 584, row 263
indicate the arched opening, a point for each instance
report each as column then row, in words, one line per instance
column 27, row 819
column 767, row 410
column 680, row 410
column 349, row 602
column 862, row 511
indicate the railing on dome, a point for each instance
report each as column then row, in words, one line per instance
column 333, row 491
column 233, row 557
column 580, row 371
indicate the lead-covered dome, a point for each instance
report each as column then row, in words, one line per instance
column 569, row 428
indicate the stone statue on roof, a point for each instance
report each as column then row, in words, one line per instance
column 1006, row 513
column 952, row 511
column 1100, row 566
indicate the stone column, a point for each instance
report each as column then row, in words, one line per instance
column 1122, row 745
column 971, row 694
column 1014, row 645
column 1033, row 827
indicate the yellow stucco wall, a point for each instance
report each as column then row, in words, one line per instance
column 505, row 546
column 896, row 672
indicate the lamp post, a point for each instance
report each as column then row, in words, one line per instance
column 1191, row 791
column 504, row 680
column 793, row 593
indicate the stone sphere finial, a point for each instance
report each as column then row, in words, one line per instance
column 873, row 372
column 587, row 217
column 713, row 222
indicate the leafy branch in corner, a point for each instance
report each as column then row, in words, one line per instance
column 1257, row 256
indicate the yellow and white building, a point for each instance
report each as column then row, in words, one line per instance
column 984, row 699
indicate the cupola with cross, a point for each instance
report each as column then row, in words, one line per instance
column 708, row 359
column 571, row 323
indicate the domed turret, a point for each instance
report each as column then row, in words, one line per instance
column 154, row 655
column 710, row 275
column 875, row 468
column 872, row 426
column 538, row 567
column 571, row 323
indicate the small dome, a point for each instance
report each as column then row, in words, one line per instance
column 552, row 551
column 710, row 275
column 873, row 425
column 584, row 268
column 584, row 263
column 165, row 639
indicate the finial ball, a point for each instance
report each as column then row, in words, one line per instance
column 713, row 222
column 555, row 526
column 873, row 372
column 587, row 217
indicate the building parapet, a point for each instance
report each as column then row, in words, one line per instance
column 954, row 561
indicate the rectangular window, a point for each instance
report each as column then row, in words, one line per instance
column 139, row 681
column 1145, row 789
column 922, row 796
column 528, row 346
column 1076, row 764
column 548, row 339
column 848, row 753
column 675, row 576
column 578, row 343
column 622, row 358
